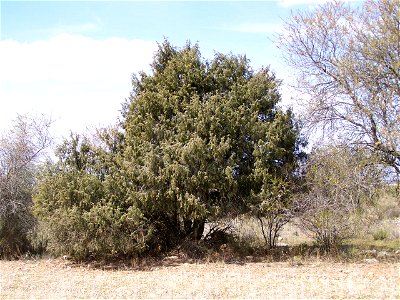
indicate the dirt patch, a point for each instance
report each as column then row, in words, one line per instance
column 56, row 279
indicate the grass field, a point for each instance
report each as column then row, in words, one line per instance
column 60, row 279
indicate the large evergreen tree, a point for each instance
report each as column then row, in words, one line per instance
column 202, row 137
column 199, row 140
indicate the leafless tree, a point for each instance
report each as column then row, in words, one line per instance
column 21, row 148
column 339, row 182
column 348, row 63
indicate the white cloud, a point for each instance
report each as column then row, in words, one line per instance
column 79, row 81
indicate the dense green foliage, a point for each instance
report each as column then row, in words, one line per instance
column 201, row 136
column 200, row 140
column 81, row 207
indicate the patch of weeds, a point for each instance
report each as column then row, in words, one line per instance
column 387, row 207
column 296, row 261
column 368, row 244
column 380, row 235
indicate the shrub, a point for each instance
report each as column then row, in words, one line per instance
column 380, row 234
column 274, row 209
column 77, row 205
column 338, row 180
column 14, row 230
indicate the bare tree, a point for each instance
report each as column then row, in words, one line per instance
column 348, row 61
column 340, row 181
column 21, row 148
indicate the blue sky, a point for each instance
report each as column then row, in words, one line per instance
column 238, row 27
column 73, row 60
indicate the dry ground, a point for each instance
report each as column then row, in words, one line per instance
column 56, row 278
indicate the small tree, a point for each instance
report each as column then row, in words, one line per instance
column 275, row 179
column 21, row 148
column 338, row 180
column 273, row 209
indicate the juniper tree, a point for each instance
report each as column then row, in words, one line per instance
column 203, row 136
column 198, row 140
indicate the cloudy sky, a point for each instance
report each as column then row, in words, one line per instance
column 73, row 61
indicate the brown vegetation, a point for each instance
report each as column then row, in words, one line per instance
column 56, row 278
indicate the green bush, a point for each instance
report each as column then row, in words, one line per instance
column 79, row 213
column 205, row 138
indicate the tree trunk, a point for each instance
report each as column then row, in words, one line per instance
column 194, row 229
column 198, row 229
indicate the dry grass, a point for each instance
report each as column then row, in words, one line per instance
column 56, row 279
column 300, row 276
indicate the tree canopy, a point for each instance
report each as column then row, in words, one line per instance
column 21, row 149
column 202, row 135
column 200, row 140
column 348, row 60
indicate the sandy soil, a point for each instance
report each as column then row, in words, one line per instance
column 56, row 279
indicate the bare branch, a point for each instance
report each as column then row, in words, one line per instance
column 348, row 61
